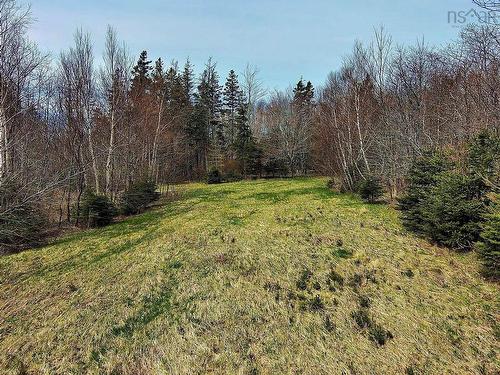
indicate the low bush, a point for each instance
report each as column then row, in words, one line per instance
column 334, row 280
column 316, row 303
column 232, row 176
column 137, row 197
column 370, row 189
column 21, row 220
column 275, row 167
column 329, row 325
column 364, row 301
column 96, row 210
column 214, row 176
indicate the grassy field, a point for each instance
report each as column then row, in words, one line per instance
column 257, row 277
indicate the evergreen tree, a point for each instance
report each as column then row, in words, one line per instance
column 447, row 205
column 197, row 133
column 247, row 152
column 158, row 80
column 97, row 210
column 489, row 247
column 452, row 211
column 303, row 96
column 141, row 79
column 484, row 167
column 174, row 90
column 187, row 82
column 302, row 106
column 370, row 189
column 209, row 96
column 232, row 102
column 484, row 161
column 171, row 78
column 422, row 177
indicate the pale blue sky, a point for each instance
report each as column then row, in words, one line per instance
column 286, row 39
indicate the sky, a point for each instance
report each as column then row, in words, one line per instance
column 285, row 39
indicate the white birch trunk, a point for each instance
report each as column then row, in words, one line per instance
column 109, row 159
column 3, row 144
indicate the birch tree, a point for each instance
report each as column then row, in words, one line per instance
column 114, row 79
column 19, row 59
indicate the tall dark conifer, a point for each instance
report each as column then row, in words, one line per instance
column 158, row 80
column 302, row 105
column 141, row 79
column 247, row 152
column 232, row 101
column 209, row 96
column 187, row 82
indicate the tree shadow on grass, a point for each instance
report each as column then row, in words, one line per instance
column 154, row 306
column 89, row 242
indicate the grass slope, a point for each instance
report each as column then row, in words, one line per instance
column 260, row 277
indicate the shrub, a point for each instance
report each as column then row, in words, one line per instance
column 489, row 247
column 331, row 184
column 329, row 325
column 214, row 176
column 96, row 210
column 275, row 167
column 453, row 212
column 21, row 220
column 232, row 176
column 231, row 170
column 137, row 197
column 370, row 189
column 421, row 178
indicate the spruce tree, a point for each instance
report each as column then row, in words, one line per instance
column 489, row 246
column 187, row 82
column 302, row 106
column 158, row 80
column 141, row 79
column 209, row 96
column 452, row 211
column 303, row 96
column 422, row 177
column 232, row 101
column 247, row 152
column 484, row 161
column 371, row 189
column 174, row 90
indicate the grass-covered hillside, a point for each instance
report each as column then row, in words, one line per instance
column 254, row 277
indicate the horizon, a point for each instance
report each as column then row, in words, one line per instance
column 307, row 41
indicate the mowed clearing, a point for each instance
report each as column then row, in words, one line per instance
column 253, row 277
